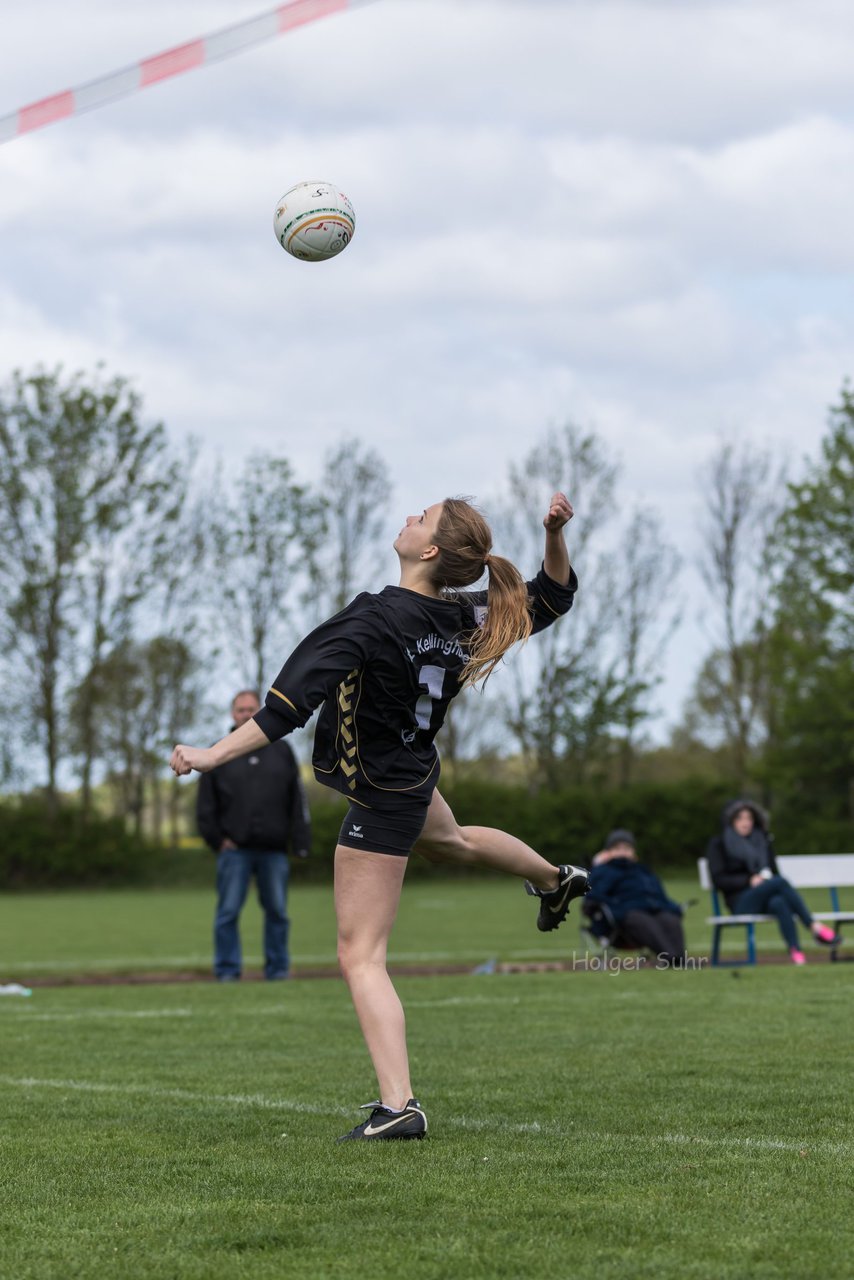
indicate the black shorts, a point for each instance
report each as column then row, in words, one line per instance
column 392, row 828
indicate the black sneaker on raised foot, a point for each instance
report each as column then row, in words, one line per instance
column 384, row 1124
column 573, row 882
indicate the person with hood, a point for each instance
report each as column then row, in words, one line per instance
column 743, row 867
column 631, row 902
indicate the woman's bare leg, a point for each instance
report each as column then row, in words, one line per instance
column 367, row 891
column 443, row 840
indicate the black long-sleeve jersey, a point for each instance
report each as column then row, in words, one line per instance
column 386, row 668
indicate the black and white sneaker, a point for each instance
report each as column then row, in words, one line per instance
column 573, row 882
column 384, row 1124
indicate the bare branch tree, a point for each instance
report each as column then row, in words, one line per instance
column 145, row 695
column 265, row 546
column 742, row 490
column 647, row 616
column 355, row 489
column 564, row 691
column 86, row 494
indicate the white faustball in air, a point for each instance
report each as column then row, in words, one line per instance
column 314, row 220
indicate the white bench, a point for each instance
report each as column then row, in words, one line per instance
column 831, row 871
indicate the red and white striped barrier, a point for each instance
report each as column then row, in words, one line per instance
column 172, row 62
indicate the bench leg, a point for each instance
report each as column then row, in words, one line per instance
column 716, row 946
column 750, row 947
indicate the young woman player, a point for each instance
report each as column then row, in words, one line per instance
column 386, row 668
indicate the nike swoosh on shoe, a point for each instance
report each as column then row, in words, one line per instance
column 555, row 905
column 371, row 1130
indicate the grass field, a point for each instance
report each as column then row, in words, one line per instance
column 634, row 1124
column 463, row 921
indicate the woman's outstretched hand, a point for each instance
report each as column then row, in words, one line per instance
column 560, row 513
column 247, row 737
column 186, row 759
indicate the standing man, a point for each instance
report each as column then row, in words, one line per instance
column 252, row 811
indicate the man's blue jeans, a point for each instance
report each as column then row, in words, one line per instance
column 234, row 870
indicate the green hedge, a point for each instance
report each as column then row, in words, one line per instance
column 672, row 823
column 41, row 847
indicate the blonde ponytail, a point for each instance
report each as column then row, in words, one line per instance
column 507, row 621
column 464, row 540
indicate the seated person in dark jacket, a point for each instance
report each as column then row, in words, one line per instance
column 634, row 897
column 742, row 866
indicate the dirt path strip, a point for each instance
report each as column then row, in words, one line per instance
column 174, row 976
column 580, row 964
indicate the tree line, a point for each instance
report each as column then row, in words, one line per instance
column 117, row 544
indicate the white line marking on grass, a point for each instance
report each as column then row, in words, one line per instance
column 683, row 1139
column 456, row 1000
column 82, row 1015
column 457, row 1122
column 761, row 1144
column 178, row 1095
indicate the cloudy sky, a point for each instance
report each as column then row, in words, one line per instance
column 633, row 215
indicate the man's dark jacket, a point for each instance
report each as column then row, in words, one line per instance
column 257, row 801
column 624, row 885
